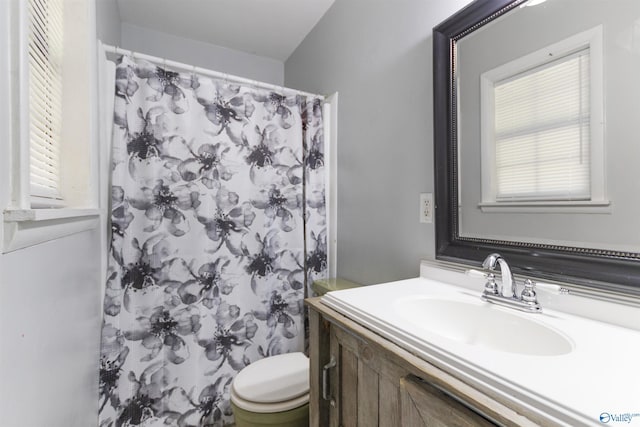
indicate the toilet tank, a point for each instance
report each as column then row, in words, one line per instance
column 322, row 286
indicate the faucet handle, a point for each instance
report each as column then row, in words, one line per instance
column 528, row 294
column 490, row 286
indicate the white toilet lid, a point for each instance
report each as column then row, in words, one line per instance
column 273, row 379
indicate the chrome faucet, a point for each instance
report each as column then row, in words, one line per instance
column 508, row 282
column 504, row 293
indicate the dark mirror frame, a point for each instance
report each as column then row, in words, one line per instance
column 593, row 268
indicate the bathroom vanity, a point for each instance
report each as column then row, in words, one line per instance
column 377, row 383
column 430, row 351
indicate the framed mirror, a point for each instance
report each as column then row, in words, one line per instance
column 536, row 151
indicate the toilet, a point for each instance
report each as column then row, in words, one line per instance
column 274, row 391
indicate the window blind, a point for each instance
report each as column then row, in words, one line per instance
column 45, row 42
column 542, row 132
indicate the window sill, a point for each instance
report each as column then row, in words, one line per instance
column 586, row 207
column 28, row 227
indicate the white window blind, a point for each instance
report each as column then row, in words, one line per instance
column 45, row 39
column 542, row 132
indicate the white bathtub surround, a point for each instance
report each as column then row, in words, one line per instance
column 564, row 387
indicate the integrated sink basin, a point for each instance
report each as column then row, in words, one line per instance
column 483, row 324
column 569, row 369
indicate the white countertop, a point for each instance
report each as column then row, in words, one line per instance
column 600, row 375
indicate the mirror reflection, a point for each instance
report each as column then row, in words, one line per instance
column 547, row 99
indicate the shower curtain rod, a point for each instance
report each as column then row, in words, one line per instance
column 216, row 74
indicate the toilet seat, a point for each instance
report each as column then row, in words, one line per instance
column 268, row 408
column 274, row 384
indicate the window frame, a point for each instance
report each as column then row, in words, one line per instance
column 598, row 203
column 31, row 220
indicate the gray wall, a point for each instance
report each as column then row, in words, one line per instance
column 377, row 55
column 50, row 327
column 202, row 54
column 111, row 30
column 108, row 22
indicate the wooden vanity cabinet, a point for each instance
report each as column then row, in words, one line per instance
column 422, row 404
column 376, row 383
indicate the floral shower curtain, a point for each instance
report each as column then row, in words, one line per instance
column 218, row 228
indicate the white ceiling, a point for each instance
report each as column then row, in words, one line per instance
column 270, row 28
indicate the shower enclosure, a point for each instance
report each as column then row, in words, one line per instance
column 218, row 228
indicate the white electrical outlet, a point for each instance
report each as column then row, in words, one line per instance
column 426, row 208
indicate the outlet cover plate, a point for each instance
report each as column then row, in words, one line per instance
column 426, row 208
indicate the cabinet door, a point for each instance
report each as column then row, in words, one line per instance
column 424, row 405
column 364, row 384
